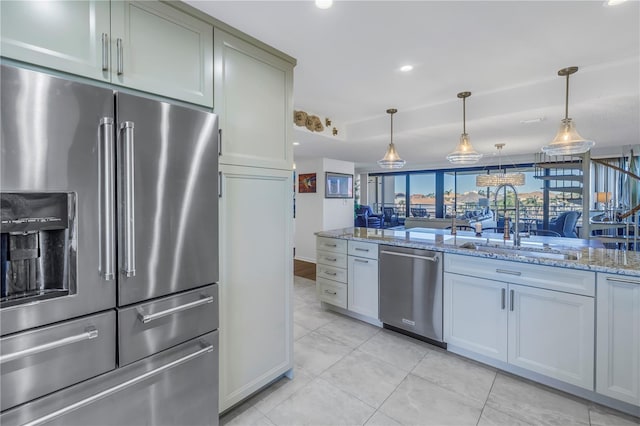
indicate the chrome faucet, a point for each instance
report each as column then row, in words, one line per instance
column 516, row 230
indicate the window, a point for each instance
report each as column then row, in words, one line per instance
column 422, row 198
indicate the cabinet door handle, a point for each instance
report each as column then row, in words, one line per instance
column 361, row 260
column 331, row 292
column 361, row 249
column 506, row 271
column 119, row 57
column 331, row 245
column 105, row 51
column 622, row 280
column 219, row 142
column 219, row 184
column 511, row 300
column 331, row 259
column 333, row 274
column 504, row 297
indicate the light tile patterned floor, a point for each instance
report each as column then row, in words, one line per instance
column 351, row 373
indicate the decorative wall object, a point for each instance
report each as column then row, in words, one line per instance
column 307, row 183
column 338, row 185
column 311, row 122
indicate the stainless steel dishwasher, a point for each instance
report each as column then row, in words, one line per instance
column 411, row 292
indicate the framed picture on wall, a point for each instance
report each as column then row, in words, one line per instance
column 306, row 183
column 338, row 185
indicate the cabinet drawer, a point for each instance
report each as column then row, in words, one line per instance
column 178, row 386
column 542, row 276
column 357, row 248
column 332, row 245
column 331, row 273
column 332, row 292
column 147, row 328
column 38, row 362
column 338, row 260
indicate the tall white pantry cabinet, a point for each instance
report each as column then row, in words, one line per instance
column 253, row 98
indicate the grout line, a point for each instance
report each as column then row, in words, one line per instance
column 495, row 375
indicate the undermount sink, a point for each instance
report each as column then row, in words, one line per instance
column 515, row 251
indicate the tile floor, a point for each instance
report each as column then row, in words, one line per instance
column 351, row 373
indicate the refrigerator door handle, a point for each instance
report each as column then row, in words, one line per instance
column 106, row 194
column 127, row 197
column 147, row 318
column 89, row 334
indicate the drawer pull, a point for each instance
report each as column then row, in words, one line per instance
column 361, row 260
column 145, row 318
column 361, row 249
column 503, row 291
column 331, row 245
column 89, row 333
column 333, row 274
column 622, row 280
column 333, row 293
column 331, row 259
column 121, row 386
column 508, row 272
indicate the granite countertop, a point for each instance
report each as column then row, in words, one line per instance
column 571, row 253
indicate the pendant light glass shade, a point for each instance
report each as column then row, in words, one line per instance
column 391, row 159
column 464, row 152
column 568, row 141
column 502, row 177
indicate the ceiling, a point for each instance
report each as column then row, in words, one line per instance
column 507, row 53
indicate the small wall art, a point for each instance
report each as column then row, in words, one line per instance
column 306, row 183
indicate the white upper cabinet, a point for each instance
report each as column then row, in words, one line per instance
column 253, row 98
column 144, row 45
column 159, row 49
column 63, row 35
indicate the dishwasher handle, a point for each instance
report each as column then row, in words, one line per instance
column 414, row 256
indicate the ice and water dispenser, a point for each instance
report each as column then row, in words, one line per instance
column 38, row 252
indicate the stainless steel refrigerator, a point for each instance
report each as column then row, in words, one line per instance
column 109, row 261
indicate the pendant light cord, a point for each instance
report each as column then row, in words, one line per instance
column 566, row 100
column 391, row 128
column 464, row 115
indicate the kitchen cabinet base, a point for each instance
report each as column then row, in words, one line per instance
column 372, row 321
column 547, row 381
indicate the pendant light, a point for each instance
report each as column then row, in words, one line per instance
column 567, row 141
column 464, row 152
column 391, row 159
column 502, row 177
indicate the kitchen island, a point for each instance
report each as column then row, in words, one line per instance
column 571, row 253
column 564, row 312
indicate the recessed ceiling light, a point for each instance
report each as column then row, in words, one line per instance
column 296, row 143
column 406, row 68
column 324, row 4
column 614, row 2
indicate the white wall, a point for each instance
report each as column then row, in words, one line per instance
column 315, row 213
